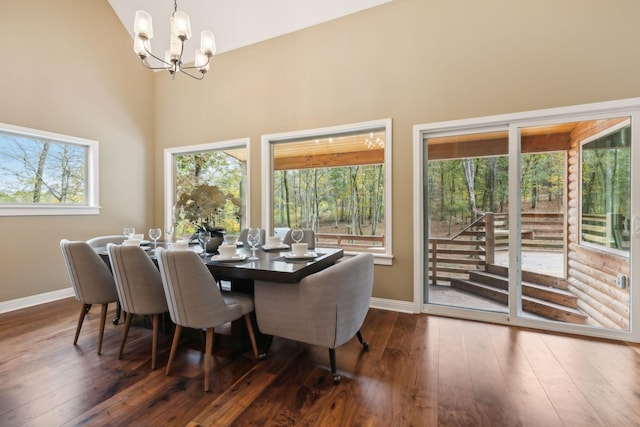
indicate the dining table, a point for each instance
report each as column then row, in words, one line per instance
column 272, row 264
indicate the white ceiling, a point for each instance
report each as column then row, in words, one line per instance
column 236, row 23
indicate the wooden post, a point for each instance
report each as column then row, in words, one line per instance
column 490, row 239
column 434, row 262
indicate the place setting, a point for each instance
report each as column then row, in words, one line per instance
column 227, row 253
column 300, row 252
column 273, row 244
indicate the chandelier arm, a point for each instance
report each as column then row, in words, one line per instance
column 198, row 66
column 189, row 74
column 167, row 66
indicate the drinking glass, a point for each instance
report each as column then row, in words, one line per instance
column 129, row 232
column 168, row 233
column 154, row 234
column 203, row 238
column 253, row 239
column 297, row 235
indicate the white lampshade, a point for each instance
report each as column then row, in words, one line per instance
column 167, row 57
column 207, row 43
column 143, row 26
column 175, row 48
column 180, row 25
column 141, row 46
column 202, row 61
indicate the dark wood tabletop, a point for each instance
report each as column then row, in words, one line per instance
column 273, row 265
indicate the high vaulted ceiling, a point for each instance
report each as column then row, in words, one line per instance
column 236, row 23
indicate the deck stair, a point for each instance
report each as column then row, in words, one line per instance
column 550, row 302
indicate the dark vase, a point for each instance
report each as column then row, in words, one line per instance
column 217, row 237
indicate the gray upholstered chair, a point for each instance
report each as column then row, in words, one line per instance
column 326, row 308
column 195, row 301
column 309, row 238
column 140, row 290
column 91, row 280
column 103, row 241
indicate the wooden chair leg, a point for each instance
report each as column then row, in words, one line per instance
column 83, row 311
column 207, row 355
column 174, row 345
column 155, row 320
column 125, row 333
column 103, row 320
column 252, row 336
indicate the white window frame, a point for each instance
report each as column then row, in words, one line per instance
column 385, row 255
column 92, row 205
column 170, row 171
column 601, row 134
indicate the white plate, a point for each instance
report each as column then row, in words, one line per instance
column 270, row 248
column 308, row 255
column 236, row 257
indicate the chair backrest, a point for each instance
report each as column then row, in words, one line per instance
column 103, row 241
column 309, row 238
column 242, row 237
column 192, row 293
column 137, row 280
column 325, row 308
column 90, row 277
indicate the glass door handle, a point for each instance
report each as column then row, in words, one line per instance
column 635, row 225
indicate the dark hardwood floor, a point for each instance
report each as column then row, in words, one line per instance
column 420, row 370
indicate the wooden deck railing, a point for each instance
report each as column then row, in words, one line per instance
column 349, row 240
column 454, row 257
column 474, row 247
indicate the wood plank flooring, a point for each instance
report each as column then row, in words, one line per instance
column 419, row 371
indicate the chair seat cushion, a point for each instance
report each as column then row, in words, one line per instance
column 236, row 298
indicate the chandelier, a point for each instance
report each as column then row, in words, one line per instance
column 180, row 32
column 374, row 142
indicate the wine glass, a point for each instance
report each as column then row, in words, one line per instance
column 154, row 234
column 203, row 238
column 297, row 235
column 129, row 232
column 168, row 232
column 253, row 239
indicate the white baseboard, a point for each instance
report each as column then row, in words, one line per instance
column 30, row 301
column 392, row 305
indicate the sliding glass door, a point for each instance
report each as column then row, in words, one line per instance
column 531, row 219
column 468, row 181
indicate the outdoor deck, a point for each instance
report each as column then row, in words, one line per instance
column 550, row 263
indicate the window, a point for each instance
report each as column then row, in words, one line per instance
column 335, row 181
column 43, row 173
column 606, row 190
column 207, row 184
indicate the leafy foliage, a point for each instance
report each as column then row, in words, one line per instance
column 209, row 192
column 38, row 171
column 319, row 198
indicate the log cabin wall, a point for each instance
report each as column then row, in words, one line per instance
column 591, row 272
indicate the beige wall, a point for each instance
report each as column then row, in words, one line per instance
column 68, row 67
column 415, row 61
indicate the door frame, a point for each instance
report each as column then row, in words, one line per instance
column 627, row 107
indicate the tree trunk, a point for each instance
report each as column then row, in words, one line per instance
column 37, row 185
column 469, row 173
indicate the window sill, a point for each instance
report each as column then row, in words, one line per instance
column 48, row 210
